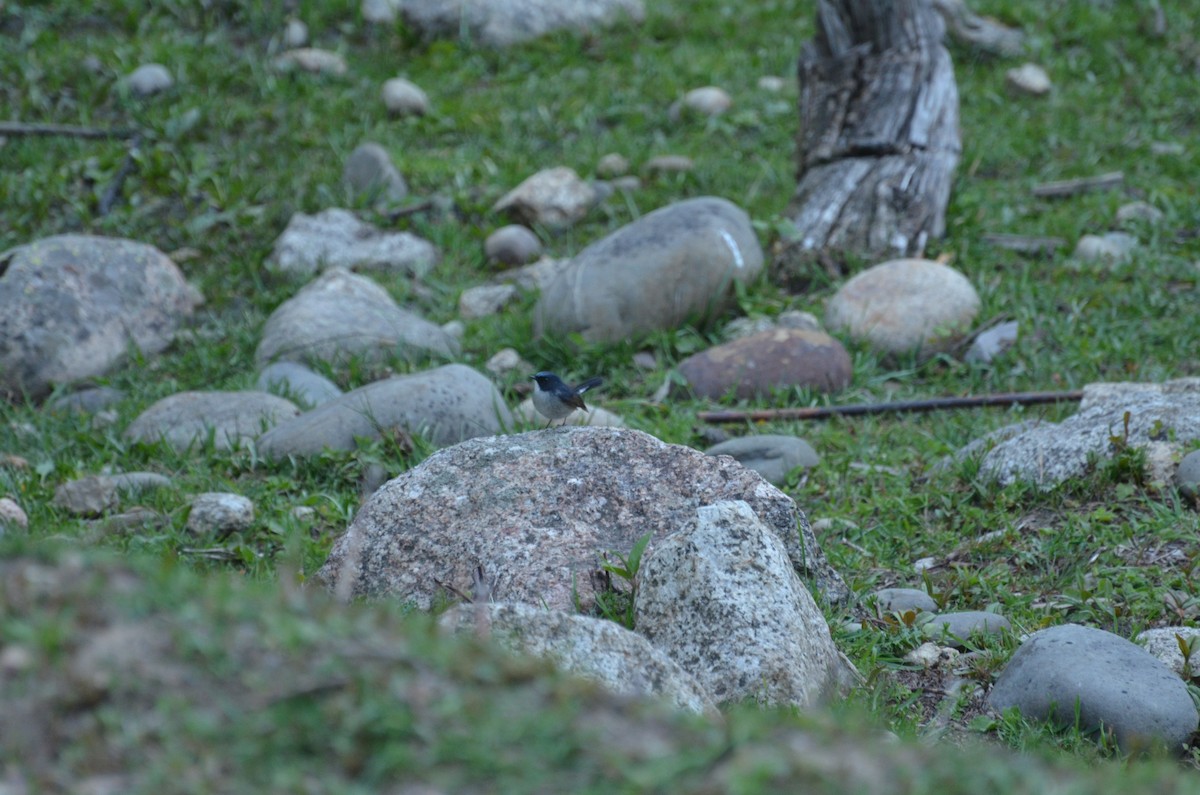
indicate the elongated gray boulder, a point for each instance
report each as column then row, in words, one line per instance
column 188, row 418
column 71, row 306
column 444, row 406
column 673, row 266
column 1072, row 673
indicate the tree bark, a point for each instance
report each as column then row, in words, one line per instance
column 879, row 138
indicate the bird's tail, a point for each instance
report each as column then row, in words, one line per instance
column 591, row 383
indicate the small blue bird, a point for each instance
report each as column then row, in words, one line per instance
column 555, row 399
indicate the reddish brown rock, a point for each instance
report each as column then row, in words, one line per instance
column 781, row 358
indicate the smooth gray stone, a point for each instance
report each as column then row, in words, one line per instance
column 404, row 98
column 296, row 382
column 187, row 418
column 1187, row 477
column 1111, row 247
column 148, row 79
column 905, row 305
column 87, row 401
column 369, row 170
column 771, row 455
column 673, row 266
column 954, row 628
column 342, row 315
column 220, row 513
column 96, row 494
column 889, row 600
column 1069, row 670
column 993, row 342
column 512, row 245
column 445, row 405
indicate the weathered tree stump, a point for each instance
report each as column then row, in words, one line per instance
column 878, row 140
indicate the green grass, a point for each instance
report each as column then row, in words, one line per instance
column 236, row 148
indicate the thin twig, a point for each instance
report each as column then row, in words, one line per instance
column 113, row 191
column 1070, row 187
column 903, row 406
column 16, row 128
column 412, row 209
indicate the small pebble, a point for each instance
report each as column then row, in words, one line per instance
column 1169, row 148
column 148, row 79
column 901, row 600
column 12, row 514
column 796, row 318
column 931, row 655
column 747, row 326
column 1029, row 79
column 105, row 418
column 310, row 59
column 295, row 34
column 955, row 628
column 127, row 522
column 1139, row 211
column 924, row 564
column 369, row 171
column 627, row 183
column 485, row 300
column 379, row 12
column 664, row 164
column 833, row 524
column 373, row 476
column 646, row 360
column 512, row 245
column 1112, row 247
column 220, row 513
column 993, row 342
column 1187, row 477
column 86, row 401
column 506, row 362
column 13, row 461
column 15, row 659
column 772, row 83
column 1163, row 643
column 709, row 100
column 612, row 165
column 403, row 98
